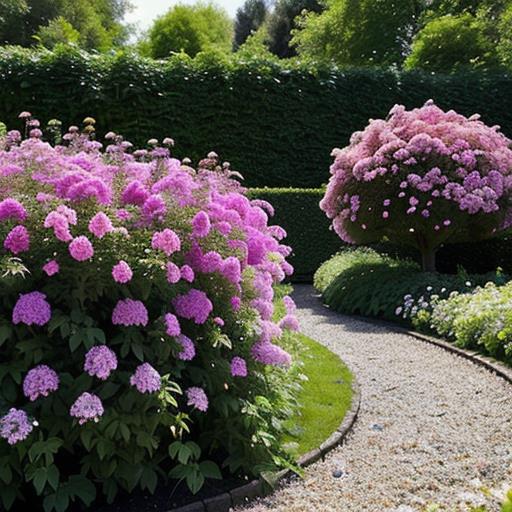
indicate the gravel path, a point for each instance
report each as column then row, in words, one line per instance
column 433, row 428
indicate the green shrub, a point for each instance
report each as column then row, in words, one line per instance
column 480, row 320
column 297, row 211
column 277, row 123
column 361, row 281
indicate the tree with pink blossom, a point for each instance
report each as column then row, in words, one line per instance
column 422, row 177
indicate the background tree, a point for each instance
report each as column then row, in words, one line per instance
column 359, row 32
column 452, row 43
column 282, row 21
column 99, row 23
column 192, row 29
column 249, row 18
column 58, row 31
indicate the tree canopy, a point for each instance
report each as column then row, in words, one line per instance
column 98, row 24
column 191, row 29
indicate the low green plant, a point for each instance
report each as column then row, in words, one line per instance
column 362, row 281
column 480, row 320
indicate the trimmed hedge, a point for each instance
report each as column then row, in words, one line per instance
column 276, row 123
column 297, row 211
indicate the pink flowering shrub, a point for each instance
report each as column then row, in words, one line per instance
column 135, row 319
column 421, row 177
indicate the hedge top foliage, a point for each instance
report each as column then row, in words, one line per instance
column 421, row 177
column 276, row 121
column 135, row 312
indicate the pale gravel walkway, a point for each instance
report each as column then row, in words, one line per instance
column 433, row 427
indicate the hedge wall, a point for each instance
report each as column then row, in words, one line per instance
column 297, row 211
column 276, row 124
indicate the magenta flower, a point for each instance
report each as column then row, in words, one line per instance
column 40, row 381
column 87, row 407
column 15, row 426
column 122, row 273
column 194, row 305
column 172, row 324
column 289, row 322
column 188, row 349
column 134, row 193
column 196, row 397
column 166, row 241
column 100, row 361
column 270, row 354
column 187, row 273
column 60, row 225
column 32, row 309
column 231, row 269
column 10, row 209
column 17, row 240
column 146, row 379
column 51, row 268
column 238, row 367
column 100, row 225
column 81, row 248
column 130, row 312
column 173, row 273
column 236, row 303
column 201, row 224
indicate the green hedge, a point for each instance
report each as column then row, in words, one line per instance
column 297, row 211
column 276, row 123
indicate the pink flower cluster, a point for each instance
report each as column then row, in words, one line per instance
column 416, row 173
column 100, row 361
column 87, row 407
column 40, row 381
column 146, row 379
column 202, row 251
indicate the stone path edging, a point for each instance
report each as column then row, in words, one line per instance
column 258, row 488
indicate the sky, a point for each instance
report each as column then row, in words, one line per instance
column 146, row 11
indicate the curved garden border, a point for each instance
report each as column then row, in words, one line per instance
column 258, row 487
column 490, row 363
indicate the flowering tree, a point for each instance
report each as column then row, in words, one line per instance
column 421, row 177
column 136, row 332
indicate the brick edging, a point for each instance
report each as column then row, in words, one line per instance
column 258, row 488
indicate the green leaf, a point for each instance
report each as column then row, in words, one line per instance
column 195, row 481
column 138, row 351
column 108, row 390
column 5, row 333
column 209, row 469
column 184, row 454
column 83, row 488
column 75, row 341
column 39, row 480
column 53, row 476
column 125, row 431
column 149, row 480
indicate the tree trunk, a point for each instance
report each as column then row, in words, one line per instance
column 428, row 260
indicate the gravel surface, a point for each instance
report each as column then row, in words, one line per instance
column 433, row 428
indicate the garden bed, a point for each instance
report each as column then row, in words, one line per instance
column 326, row 399
column 470, row 310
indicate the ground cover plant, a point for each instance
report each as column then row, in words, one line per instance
column 364, row 282
column 136, row 332
column 478, row 320
column 422, row 178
